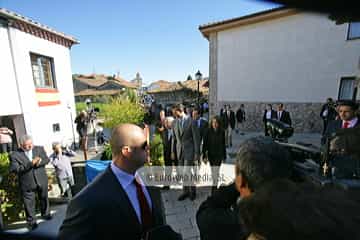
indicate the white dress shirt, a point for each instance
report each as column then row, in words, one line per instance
column 127, row 182
column 268, row 114
column 29, row 155
column 352, row 122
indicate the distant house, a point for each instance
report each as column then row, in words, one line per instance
column 164, row 92
column 282, row 55
column 37, row 95
column 98, row 86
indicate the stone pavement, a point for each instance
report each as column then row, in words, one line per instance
column 181, row 215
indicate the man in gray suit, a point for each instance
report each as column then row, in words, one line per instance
column 187, row 138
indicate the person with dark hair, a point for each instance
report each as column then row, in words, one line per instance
column 240, row 117
column 328, row 113
column 214, row 149
column 201, row 123
column 282, row 115
column 269, row 113
column 282, row 209
column 82, row 123
column 187, row 137
column 228, row 123
column 258, row 161
column 347, row 119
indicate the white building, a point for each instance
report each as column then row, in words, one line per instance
column 37, row 95
column 282, row 55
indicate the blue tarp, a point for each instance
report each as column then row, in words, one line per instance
column 94, row 167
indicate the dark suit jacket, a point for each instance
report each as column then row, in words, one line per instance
column 285, row 117
column 331, row 115
column 29, row 176
column 333, row 126
column 214, row 146
column 228, row 120
column 203, row 128
column 240, row 115
column 273, row 115
column 169, row 144
column 102, row 210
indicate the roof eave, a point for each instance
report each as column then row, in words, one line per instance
column 207, row 29
column 14, row 16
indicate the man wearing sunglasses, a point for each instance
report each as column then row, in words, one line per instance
column 116, row 204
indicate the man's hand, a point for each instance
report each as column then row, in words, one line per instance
column 172, row 156
column 36, row 161
column 205, row 158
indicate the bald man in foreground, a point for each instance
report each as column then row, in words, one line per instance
column 116, row 205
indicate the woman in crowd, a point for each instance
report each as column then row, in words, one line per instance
column 214, row 149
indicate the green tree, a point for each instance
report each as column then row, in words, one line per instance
column 10, row 199
column 122, row 110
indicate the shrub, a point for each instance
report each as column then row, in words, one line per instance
column 10, row 198
column 122, row 111
column 156, row 151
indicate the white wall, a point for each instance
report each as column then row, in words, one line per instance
column 9, row 98
column 39, row 120
column 299, row 58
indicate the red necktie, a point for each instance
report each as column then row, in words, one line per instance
column 146, row 217
column 346, row 124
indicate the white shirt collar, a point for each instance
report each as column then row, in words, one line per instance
column 352, row 122
column 123, row 177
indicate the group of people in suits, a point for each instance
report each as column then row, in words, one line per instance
column 188, row 139
column 281, row 115
column 228, row 119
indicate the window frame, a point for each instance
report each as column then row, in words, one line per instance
column 348, row 32
column 52, row 71
column 354, row 89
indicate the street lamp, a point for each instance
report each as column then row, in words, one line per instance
column 198, row 77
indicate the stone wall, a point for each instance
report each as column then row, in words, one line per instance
column 305, row 116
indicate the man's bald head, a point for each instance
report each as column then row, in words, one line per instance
column 126, row 135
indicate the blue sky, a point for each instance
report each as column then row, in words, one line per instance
column 158, row 38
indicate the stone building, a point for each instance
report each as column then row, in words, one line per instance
column 99, row 87
column 282, row 55
column 166, row 93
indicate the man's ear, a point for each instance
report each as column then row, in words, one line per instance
column 125, row 151
column 242, row 185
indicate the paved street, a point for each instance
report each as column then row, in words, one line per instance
column 181, row 215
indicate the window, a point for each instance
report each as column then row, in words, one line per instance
column 347, row 89
column 56, row 127
column 354, row 30
column 43, row 71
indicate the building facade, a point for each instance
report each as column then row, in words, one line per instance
column 281, row 55
column 37, row 95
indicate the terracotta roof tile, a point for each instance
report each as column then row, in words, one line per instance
column 94, row 92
